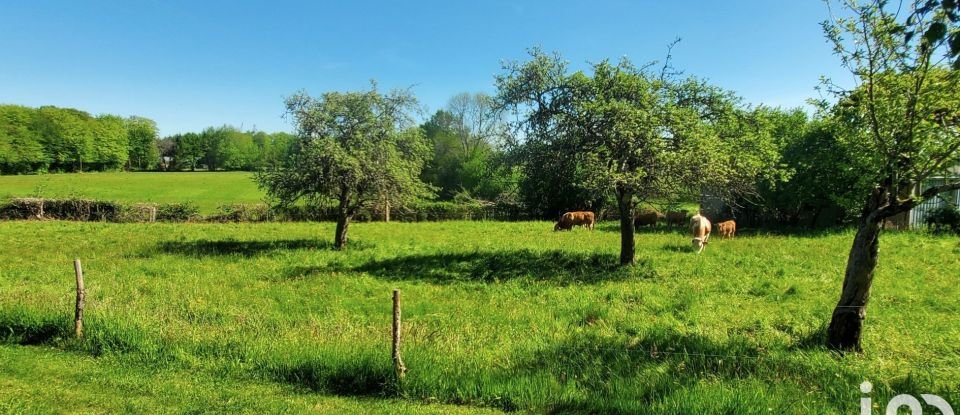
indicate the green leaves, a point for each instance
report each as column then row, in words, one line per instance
column 620, row 127
column 354, row 147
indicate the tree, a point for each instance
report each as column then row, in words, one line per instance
column 110, row 147
column 167, row 147
column 629, row 131
column 21, row 149
column 142, row 136
column 66, row 136
column 214, row 144
column 900, row 122
column 466, row 139
column 477, row 121
column 189, row 150
column 356, row 148
column 239, row 150
column 824, row 187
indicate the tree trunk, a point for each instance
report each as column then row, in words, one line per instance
column 846, row 326
column 816, row 216
column 344, row 214
column 340, row 240
column 627, row 248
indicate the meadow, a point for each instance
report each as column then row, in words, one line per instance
column 205, row 189
column 256, row 318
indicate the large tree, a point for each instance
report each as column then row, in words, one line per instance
column 66, row 135
column 633, row 132
column 110, row 147
column 142, row 136
column 901, row 124
column 21, row 149
column 356, row 148
column 188, row 150
column 466, row 156
column 478, row 121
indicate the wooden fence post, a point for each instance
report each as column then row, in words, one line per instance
column 81, row 296
column 397, row 359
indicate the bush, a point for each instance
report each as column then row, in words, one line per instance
column 177, row 212
column 944, row 218
column 96, row 210
column 243, row 213
column 62, row 209
column 300, row 213
column 22, row 208
column 139, row 212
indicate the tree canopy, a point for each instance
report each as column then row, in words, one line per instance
column 632, row 132
column 67, row 139
column 356, row 148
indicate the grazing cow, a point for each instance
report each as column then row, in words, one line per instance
column 700, row 226
column 677, row 218
column 727, row 228
column 646, row 217
column 571, row 219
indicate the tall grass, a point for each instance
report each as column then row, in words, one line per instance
column 511, row 316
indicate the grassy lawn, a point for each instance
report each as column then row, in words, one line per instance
column 45, row 380
column 206, row 189
column 504, row 316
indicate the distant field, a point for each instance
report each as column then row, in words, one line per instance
column 266, row 318
column 206, row 189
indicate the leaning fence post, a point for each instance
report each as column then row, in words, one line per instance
column 397, row 359
column 81, row 295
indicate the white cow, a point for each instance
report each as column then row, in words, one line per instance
column 700, row 226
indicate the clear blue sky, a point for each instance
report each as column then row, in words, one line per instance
column 192, row 64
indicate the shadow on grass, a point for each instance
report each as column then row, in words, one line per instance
column 559, row 267
column 203, row 247
column 813, row 340
column 614, row 227
column 678, row 247
column 629, row 375
column 26, row 330
column 365, row 377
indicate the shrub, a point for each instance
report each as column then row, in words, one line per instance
column 946, row 217
column 177, row 212
column 82, row 210
column 301, row 213
column 22, row 208
column 243, row 213
column 139, row 212
column 63, row 209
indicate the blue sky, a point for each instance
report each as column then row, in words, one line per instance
column 192, row 64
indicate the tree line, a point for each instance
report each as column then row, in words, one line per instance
column 223, row 148
column 806, row 177
column 65, row 139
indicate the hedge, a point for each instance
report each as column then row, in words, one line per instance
column 98, row 210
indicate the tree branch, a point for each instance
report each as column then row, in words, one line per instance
column 907, row 205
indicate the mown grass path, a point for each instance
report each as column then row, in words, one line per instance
column 508, row 316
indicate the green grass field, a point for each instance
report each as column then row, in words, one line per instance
column 205, row 189
column 264, row 318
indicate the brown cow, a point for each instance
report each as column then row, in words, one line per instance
column 727, row 228
column 700, row 226
column 646, row 217
column 677, row 218
column 571, row 219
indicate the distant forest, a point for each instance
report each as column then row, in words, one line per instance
column 466, row 137
column 52, row 139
